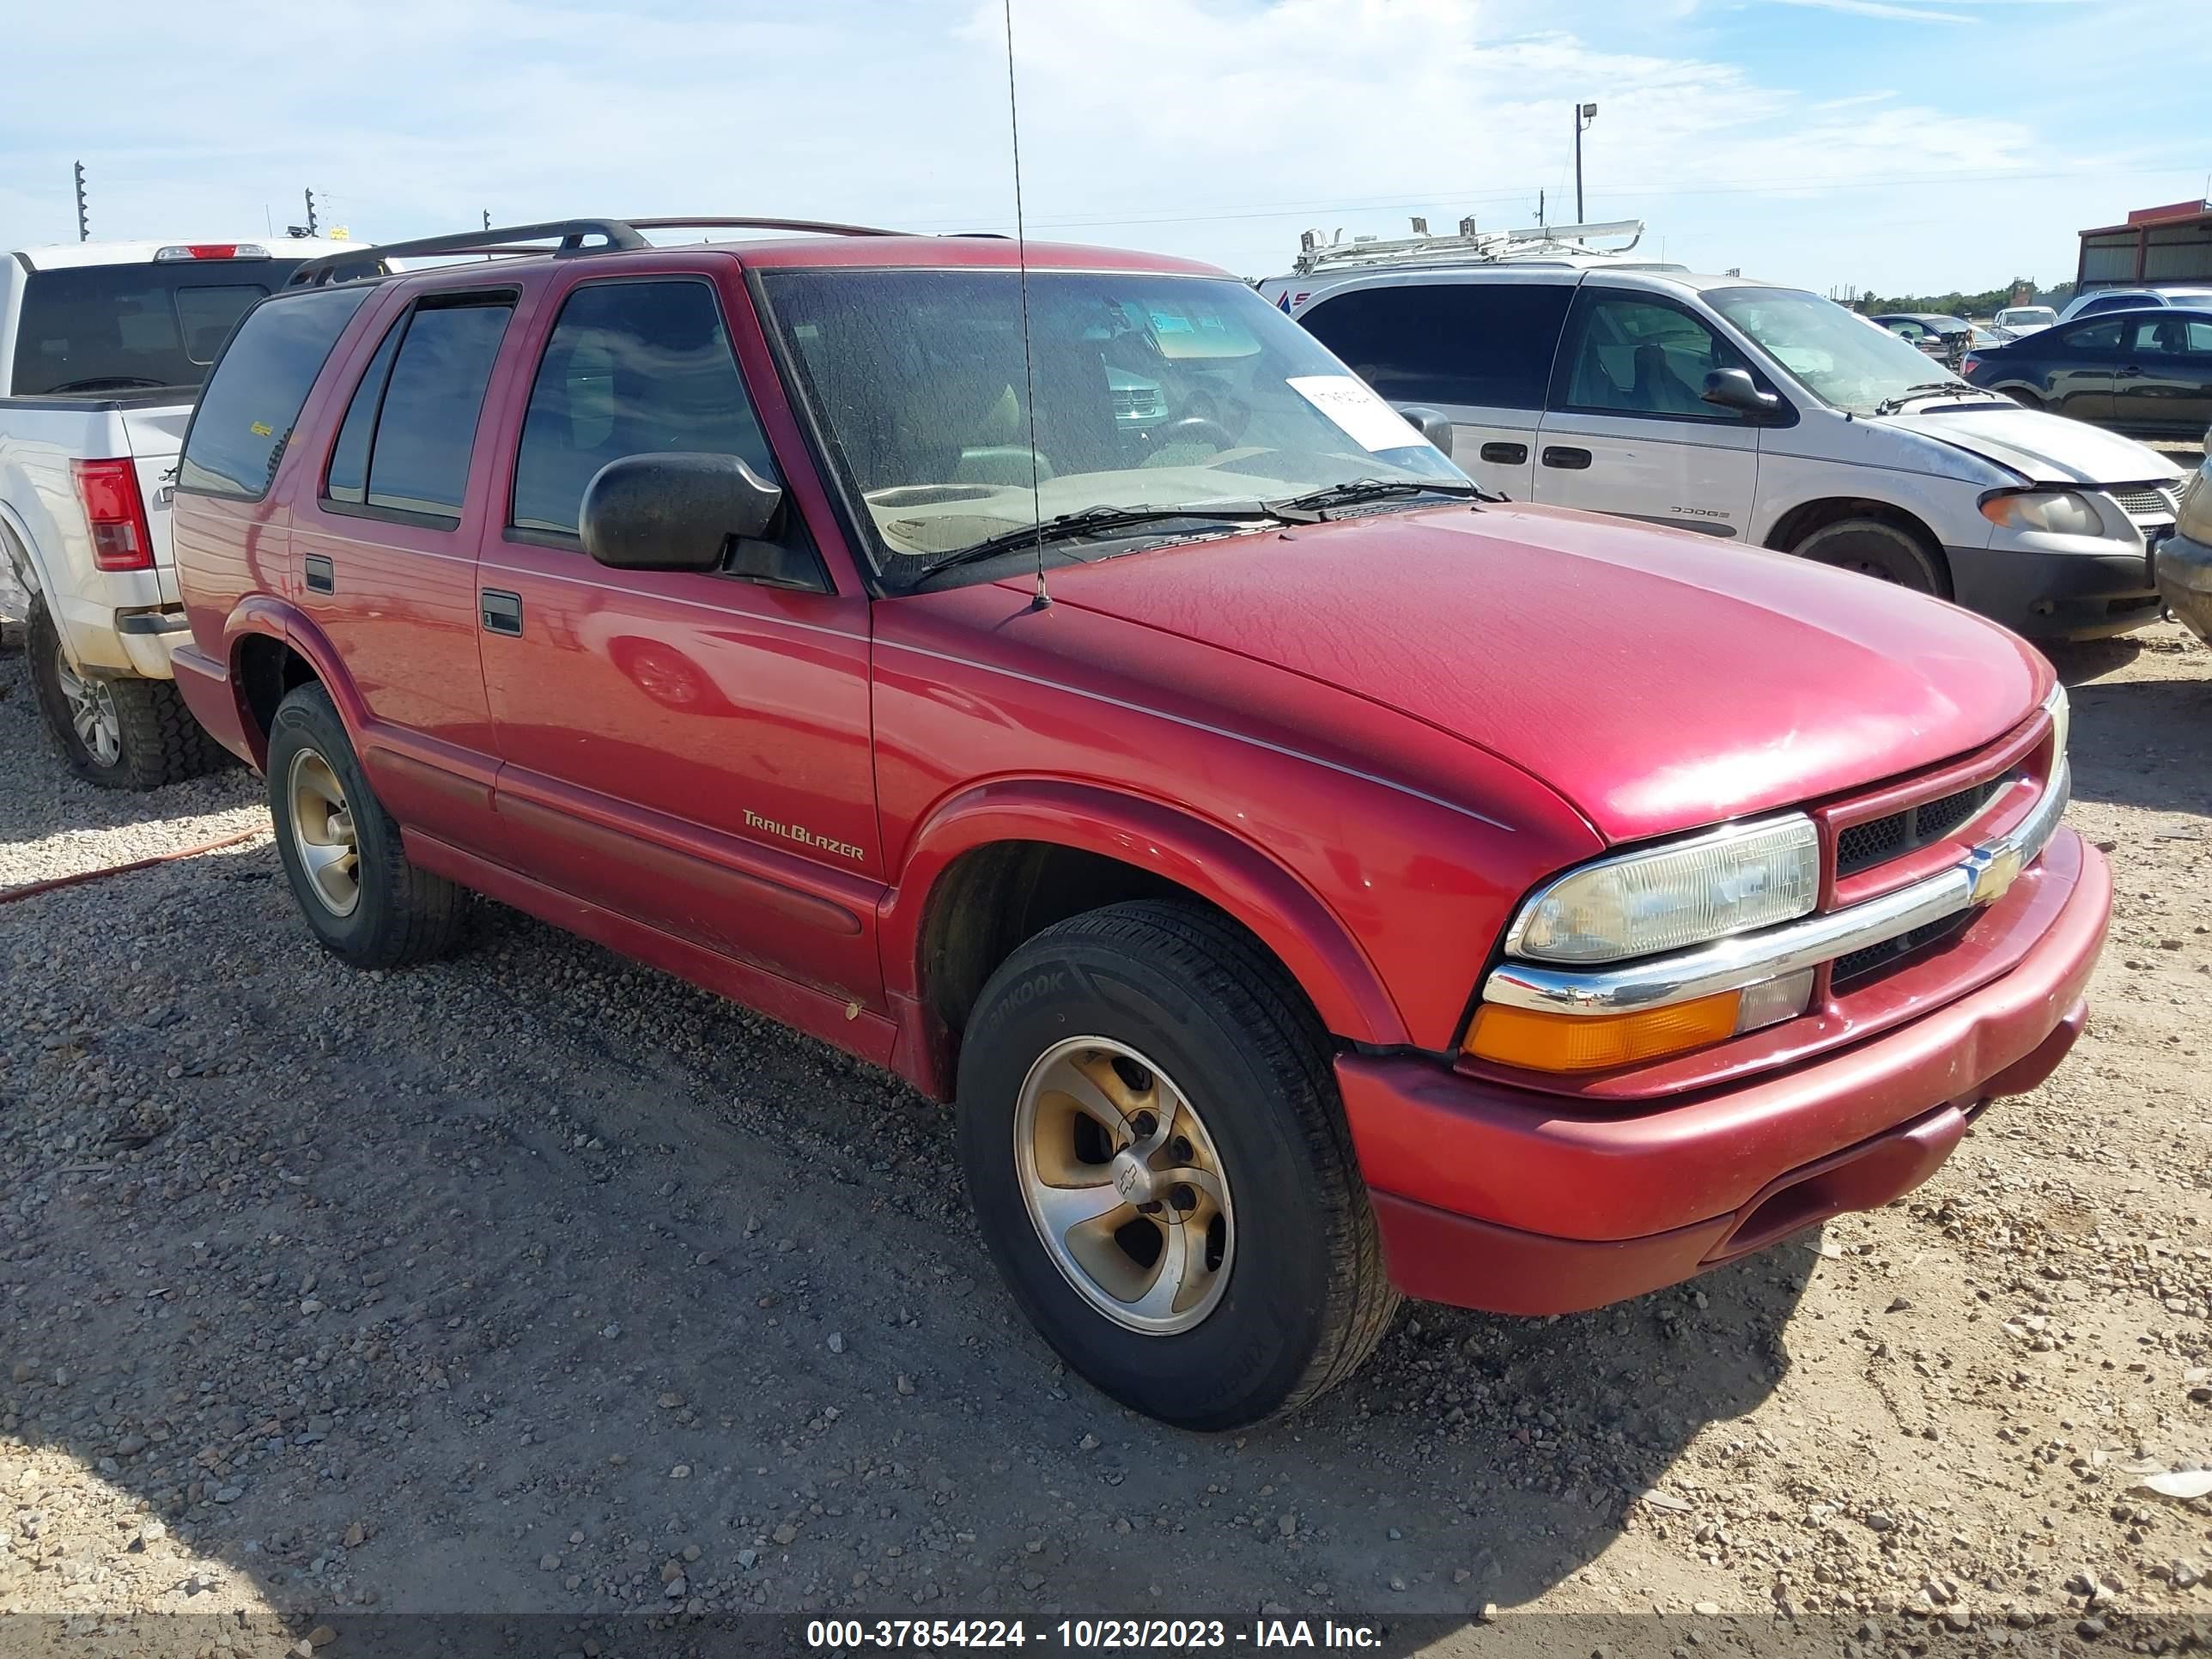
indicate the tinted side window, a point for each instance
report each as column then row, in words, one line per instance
column 246, row 418
column 2110, row 302
column 2170, row 337
column 630, row 368
column 2097, row 336
column 1639, row 357
column 1488, row 344
column 426, row 428
column 348, row 478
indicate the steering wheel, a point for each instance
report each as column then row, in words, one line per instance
column 1194, row 429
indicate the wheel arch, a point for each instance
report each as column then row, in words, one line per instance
column 1793, row 526
column 271, row 648
column 993, row 865
column 21, row 549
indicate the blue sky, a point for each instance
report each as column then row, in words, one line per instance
column 1900, row 144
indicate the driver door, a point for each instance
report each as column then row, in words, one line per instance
column 1627, row 429
column 690, row 749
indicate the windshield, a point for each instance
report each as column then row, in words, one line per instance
column 1152, row 392
column 120, row 328
column 1840, row 356
column 2027, row 316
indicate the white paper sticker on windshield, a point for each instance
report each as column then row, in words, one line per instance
column 1366, row 419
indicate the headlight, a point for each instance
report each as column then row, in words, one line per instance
column 2062, row 723
column 1728, row 882
column 2055, row 512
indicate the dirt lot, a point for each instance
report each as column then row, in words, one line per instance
column 534, row 1281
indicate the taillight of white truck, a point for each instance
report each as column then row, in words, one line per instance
column 116, row 512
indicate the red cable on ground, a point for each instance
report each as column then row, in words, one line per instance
column 31, row 889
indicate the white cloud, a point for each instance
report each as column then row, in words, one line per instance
column 1214, row 127
column 1881, row 8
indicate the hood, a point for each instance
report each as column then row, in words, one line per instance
column 2042, row 449
column 1657, row 680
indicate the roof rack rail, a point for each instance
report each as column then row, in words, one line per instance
column 574, row 237
column 1536, row 244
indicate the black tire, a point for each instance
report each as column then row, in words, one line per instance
column 2025, row 399
column 1305, row 1298
column 400, row 914
column 1877, row 548
column 157, row 740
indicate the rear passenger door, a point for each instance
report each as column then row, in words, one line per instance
column 1629, row 431
column 384, row 553
column 688, row 749
column 1480, row 352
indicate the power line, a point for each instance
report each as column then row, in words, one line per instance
column 1790, row 186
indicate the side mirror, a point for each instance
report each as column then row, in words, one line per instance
column 1431, row 423
column 674, row 512
column 1734, row 388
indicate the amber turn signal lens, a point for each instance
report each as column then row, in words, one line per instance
column 1598, row 1043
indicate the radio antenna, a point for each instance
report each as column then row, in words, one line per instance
column 1022, row 267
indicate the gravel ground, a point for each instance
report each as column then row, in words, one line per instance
column 58, row 825
column 534, row 1281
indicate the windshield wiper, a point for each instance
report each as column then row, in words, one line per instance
column 1376, row 490
column 106, row 383
column 1095, row 520
column 1927, row 388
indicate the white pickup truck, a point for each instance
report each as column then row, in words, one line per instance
column 103, row 347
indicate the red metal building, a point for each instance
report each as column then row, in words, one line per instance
column 2170, row 244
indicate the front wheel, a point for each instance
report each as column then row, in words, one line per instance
column 1155, row 1148
column 1876, row 548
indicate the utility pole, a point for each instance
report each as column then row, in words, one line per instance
column 310, row 195
column 487, row 213
column 83, row 224
column 1584, row 114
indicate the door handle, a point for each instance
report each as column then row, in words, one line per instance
column 501, row 612
column 2131, row 371
column 1505, row 454
column 321, row 578
column 1568, row 459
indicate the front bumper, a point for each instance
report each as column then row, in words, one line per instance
column 2056, row 596
column 1490, row 1197
column 2184, row 582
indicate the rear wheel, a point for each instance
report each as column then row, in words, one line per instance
column 118, row 733
column 2024, row 398
column 1155, row 1148
column 342, row 851
column 1876, row 548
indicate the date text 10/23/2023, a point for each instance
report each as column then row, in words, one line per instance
column 1088, row 1634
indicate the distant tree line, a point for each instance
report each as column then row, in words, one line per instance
column 1955, row 304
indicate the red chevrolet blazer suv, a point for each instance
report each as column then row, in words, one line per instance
column 1049, row 674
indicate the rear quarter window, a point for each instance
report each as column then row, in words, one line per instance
column 1481, row 344
column 245, row 418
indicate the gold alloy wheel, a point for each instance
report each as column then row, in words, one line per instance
column 323, row 832
column 1124, row 1185
column 92, row 712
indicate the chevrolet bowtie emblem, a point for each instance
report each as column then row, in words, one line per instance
column 1995, row 870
